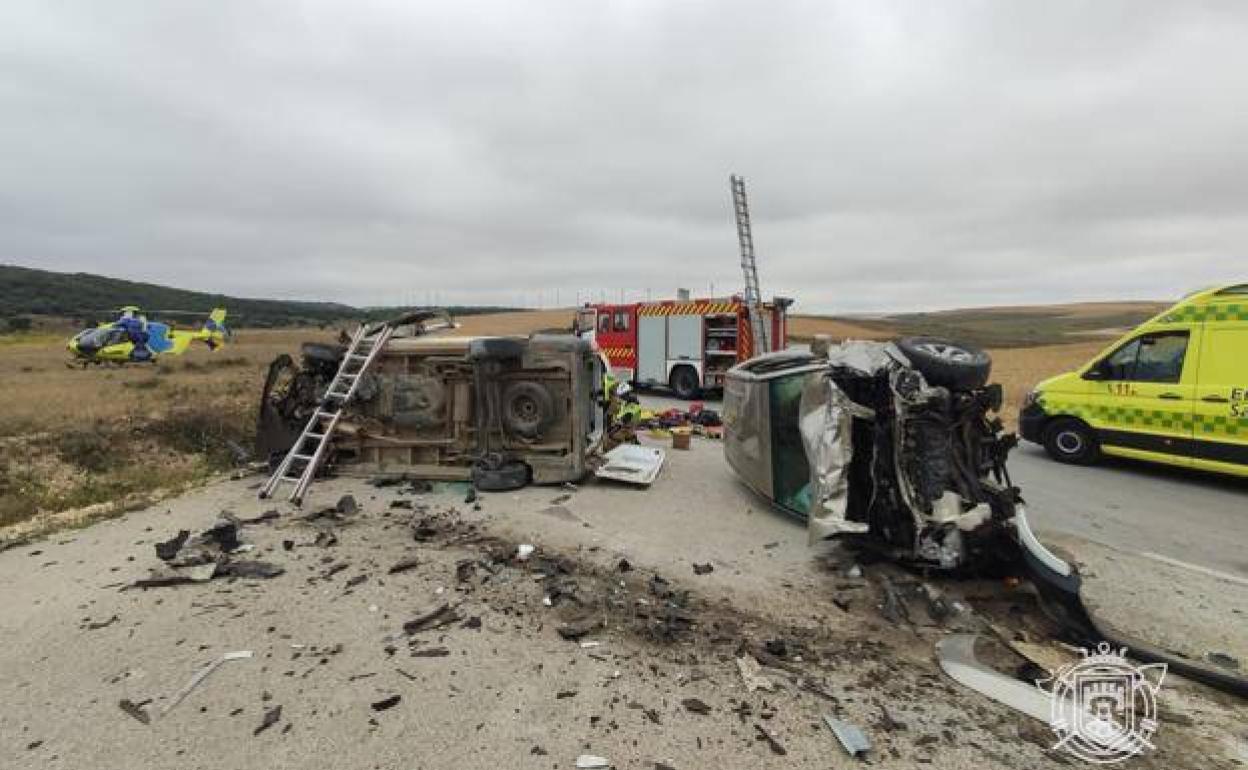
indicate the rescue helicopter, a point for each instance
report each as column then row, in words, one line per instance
column 134, row 339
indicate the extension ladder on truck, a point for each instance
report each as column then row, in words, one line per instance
column 749, row 266
column 308, row 452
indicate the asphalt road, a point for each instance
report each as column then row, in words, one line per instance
column 1197, row 519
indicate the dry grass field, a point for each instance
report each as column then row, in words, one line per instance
column 71, row 438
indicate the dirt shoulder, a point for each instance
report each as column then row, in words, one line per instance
column 500, row 685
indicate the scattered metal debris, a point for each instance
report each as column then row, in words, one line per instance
column 776, row 747
column 439, row 616
column 752, row 674
column 957, row 657
column 576, row 629
column 851, row 737
column 271, row 717
column 591, row 762
column 403, row 565
column 387, row 703
column 200, row 676
column 632, row 464
column 168, row 549
column 136, row 710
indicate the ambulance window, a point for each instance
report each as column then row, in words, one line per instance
column 1161, row 358
column 604, row 323
column 1148, row 358
column 621, row 320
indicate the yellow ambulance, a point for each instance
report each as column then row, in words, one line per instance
column 1174, row 390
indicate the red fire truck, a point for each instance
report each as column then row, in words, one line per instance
column 685, row 344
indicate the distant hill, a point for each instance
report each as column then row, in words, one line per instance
column 27, row 291
column 997, row 327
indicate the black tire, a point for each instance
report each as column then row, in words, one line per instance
column 684, row 382
column 528, row 408
column 505, row 478
column 1068, row 440
column 495, row 349
column 952, row 365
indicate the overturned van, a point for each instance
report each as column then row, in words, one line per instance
column 892, row 442
column 500, row 411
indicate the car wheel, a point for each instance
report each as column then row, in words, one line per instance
column 504, row 478
column 684, row 382
column 952, row 365
column 528, row 408
column 1071, row 441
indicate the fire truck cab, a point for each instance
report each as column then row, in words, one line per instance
column 687, row 345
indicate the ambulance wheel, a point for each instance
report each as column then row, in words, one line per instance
column 1071, row 441
column 684, row 382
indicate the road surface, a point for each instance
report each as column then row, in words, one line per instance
column 1171, row 514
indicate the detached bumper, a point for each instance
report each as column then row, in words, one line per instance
column 1031, row 421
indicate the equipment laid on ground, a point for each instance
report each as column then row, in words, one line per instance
column 498, row 411
column 132, row 338
column 1173, row 390
column 685, row 344
column 305, row 456
column 749, row 266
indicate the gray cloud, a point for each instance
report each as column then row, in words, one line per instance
column 899, row 155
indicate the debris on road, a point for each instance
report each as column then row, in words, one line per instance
column 574, row 630
column 851, row 737
column 632, row 464
column 957, row 657
column 403, row 565
column 752, row 674
column 696, row 706
column 136, row 710
column 703, row 569
column 763, row 735
column 200, row 676
column 387, row 703
column 443, row 614
column 591, row 762
column 271, row 717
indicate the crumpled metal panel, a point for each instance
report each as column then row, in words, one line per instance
column 865, row 356
column 747, row 430
column 826, row 422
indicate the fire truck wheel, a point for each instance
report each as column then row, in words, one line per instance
column 527, row 408
column 684, row 382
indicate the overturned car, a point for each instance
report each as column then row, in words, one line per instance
column 500, row 411
column 895, row 443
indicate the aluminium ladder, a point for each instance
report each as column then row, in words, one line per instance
column 300, row 464
column 753, row 294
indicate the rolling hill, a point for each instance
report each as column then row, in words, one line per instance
column 28, row 291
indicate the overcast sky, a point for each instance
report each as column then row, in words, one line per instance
column 899, row 156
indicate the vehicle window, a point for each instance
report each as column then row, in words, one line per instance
column 1150, row 358
column 621, row 320
column 604, row 323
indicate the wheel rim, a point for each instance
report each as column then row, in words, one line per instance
column 1069, row 442
column 524, row 408
column 945, row 351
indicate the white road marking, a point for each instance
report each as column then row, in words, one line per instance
column 1195, row 568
